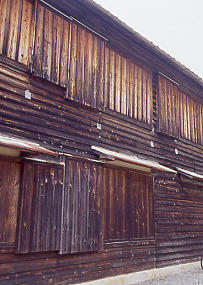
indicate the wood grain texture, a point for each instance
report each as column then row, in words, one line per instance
column 178, row 220
column 128, row 87
column 9, row 193
column 81, row 229
column 179, row 114
column 40, row 209
column 128, row 205
column 16, row 29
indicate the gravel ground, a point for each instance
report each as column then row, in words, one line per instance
column 191, row 277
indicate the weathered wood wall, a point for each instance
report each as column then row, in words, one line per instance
column 51, row 46
column 65, row 126
column 178, row 220
column 82, row 207
column 46, row 268
column 116, row 94
column 16, row 29
column 9, row 192
column 179, row 114
column 94, row 73
column 128, row 87
column 40, row 208
column 128, row 205
column 65, row 53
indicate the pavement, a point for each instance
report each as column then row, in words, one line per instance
column 187, row 277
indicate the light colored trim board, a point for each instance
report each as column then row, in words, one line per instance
column 131, row 159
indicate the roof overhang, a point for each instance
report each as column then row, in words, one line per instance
column 24, row 145
column 190, row 174
column 129, row 161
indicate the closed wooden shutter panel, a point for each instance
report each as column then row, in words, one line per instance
column 40, row 209
column 82, row 228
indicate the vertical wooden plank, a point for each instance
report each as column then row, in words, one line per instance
column 95, row 68
column 192, row 121
column 9, row 192
column 131, row 205
column 107, row 213
column 56, row 48
column 127, row 87
column 39, row 41
column 138, row 208
column 78, row 67
column 188, row 102
column 65, row 246
column 185, row 116
column 161, row 106
column 117, row 204
column 36, row 210
column 93, row 209
column 144, row 102
column 117, row 83
column 4, row 24
column 90, row 81
column 15, row 19
column 136, row 88
column 100, row 206
column 151, row 210
column 198, row 122
column 81, row 68
column 170, row 108
column 131, row 90
column 177, row 112
column 84, row 218
column 139, row 95
column 149, row 98
column 111, row 78
column 73, row 56
column 167, row 105
column 181, row 113
column 124, row 87
column 23, row 237
column 47, row 44
column 86, row 69
column 65, row 51
column 25, row 32
column 111, row 203
column 101, row 74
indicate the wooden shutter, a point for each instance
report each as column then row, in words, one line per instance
column 169, row 115
column 40, row 209
column 82, row 228
column 128, row 205
column 9, row 190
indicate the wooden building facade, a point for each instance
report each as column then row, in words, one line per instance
column 101, row 147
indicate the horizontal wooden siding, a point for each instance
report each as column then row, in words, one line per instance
column 178, row 220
